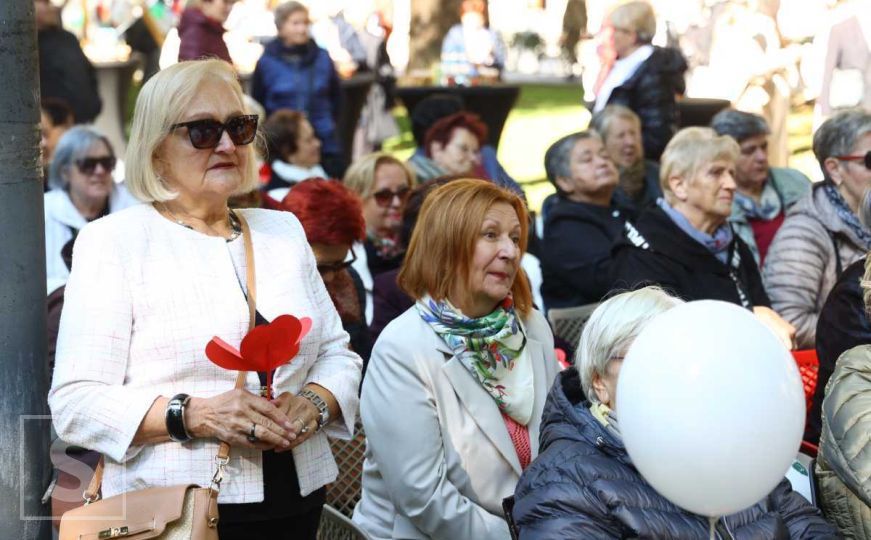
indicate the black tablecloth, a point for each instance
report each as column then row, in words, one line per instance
column 491, row 103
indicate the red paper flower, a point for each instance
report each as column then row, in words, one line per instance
column 264, row 348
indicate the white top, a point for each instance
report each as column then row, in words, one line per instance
column 60, row 215
column 439, row 459
column 293, row 173
column 361, row 266
column 144, row 298
column 620, row 73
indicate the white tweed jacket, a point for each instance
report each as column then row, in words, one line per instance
column 144, row 297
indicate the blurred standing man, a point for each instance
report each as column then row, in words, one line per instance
column 64, row 70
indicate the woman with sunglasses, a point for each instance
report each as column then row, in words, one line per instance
column 826, row 230
column 384, row 184
column 332, row 217
column 151, row 286
column 82, row 190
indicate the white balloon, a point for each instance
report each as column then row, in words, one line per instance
column 711, row 407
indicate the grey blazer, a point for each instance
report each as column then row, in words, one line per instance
column 439, row 459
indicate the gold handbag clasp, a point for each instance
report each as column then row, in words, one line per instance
column 114, row 532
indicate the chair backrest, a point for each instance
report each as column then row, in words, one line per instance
column 335, row 526
column 508, row 509
column 344, row 493
column 568, row 323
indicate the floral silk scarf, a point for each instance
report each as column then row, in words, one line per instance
column 492, row 349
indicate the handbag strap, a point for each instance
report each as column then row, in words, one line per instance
column 223, row 456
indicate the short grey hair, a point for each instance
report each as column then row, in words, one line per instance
column 162, row 102
column 739, row 125
column 72, row 146
column 285, row 10
column 838, row 135
column 556, row 159
column 613, row 327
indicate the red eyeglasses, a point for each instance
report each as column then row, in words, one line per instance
column 866, row 158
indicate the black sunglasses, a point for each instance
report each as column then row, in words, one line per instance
column 207, row 133
column 89, row 164
column 337, row 266
column 384, row 197
column 866, row 158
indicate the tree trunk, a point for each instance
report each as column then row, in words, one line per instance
column 25, row 468
column 430, row 22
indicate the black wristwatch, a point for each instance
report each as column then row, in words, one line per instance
column 175, row 418
column 317, row 401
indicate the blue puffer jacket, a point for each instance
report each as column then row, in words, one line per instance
column 583, row 485
column 301, row 78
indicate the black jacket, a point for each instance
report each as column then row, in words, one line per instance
column 683, row 266
column 66, row 73
column 583, row 485
column 650, row 92
column 576, row 252
column 843, row 324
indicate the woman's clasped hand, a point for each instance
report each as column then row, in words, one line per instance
column 244, row 419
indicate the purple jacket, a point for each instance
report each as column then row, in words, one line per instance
column 201, row 37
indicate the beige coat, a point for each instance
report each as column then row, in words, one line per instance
column 800, row 268
column 844, row 461
column 439, row 459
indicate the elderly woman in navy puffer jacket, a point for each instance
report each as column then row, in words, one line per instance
column 294, row 73
column 583, row 483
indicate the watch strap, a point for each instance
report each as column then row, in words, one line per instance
column 317, row 401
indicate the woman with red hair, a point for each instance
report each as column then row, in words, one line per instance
column 332, row 217
column 453, row 144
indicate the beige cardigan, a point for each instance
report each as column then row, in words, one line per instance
column 144, row 297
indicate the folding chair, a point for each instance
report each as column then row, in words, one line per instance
column 335, row 526
column 568, row 323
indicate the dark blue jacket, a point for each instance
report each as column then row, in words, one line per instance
column 583, row 485
column 301, row 78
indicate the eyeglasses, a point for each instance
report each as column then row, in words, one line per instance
column 337, row 266
column 207, row 133
column 866, row 158
column 384, row 197
column 89, row 164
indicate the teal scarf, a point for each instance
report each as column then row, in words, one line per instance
column 491, row 348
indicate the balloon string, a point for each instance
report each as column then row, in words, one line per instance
column 712, row 521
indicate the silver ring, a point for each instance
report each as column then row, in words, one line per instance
column 252, row 438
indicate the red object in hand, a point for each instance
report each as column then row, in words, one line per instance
column 265, row 348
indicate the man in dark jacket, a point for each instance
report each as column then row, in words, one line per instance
column 583, row 485
column 843, row 324
column 64, row 70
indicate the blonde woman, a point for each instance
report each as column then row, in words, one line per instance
column 685, row 243
column 150, row 286
column 384, row 184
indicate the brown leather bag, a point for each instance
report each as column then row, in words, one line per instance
column 184, row 512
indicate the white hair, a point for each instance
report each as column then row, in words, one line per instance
column 162, row 103
column 613, row 327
